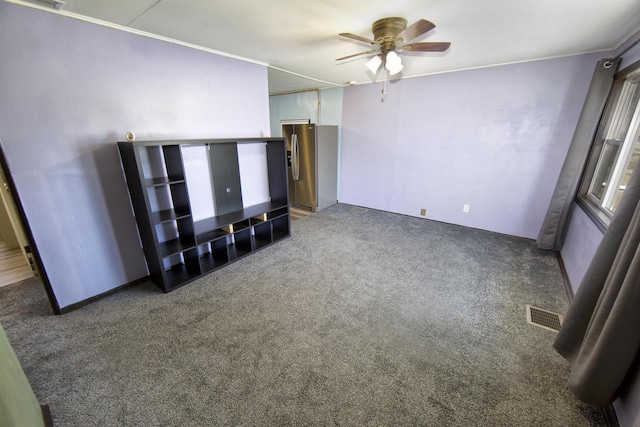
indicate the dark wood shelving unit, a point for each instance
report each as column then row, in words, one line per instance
column 178, row 249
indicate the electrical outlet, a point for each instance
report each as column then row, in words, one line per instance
column 423, row 211
column 465, row 208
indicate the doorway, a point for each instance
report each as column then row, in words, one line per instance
column 15, row 258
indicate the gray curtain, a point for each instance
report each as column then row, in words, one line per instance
column 551, row 233
column 601, row 333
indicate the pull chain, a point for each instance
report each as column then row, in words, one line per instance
column 384, row 85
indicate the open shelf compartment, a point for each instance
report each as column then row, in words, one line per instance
column 174, row 246
column 241, row 245
column 210, row 235
column 214, row 255
column 170, row 215
column 181, row 273
column 280, row 227
column 262, row 235
column 278, row 212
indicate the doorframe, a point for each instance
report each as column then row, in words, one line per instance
column 28, row 234
column 8, row 206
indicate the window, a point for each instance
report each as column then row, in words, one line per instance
column 616, row 149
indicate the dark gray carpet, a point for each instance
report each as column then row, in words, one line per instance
column 357, row 319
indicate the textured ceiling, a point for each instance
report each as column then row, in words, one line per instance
column 299, row 39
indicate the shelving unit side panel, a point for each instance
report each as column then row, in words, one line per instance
column 277, row 171
column 185, row 229
column 173, row 162
column 138, row 196
column 180, row 197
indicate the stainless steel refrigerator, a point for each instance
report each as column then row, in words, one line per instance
column 312, row 158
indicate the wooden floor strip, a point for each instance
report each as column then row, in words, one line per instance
column 13, row 266
column 297, row 213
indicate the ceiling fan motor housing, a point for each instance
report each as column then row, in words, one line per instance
column 388, row 32
column 385, row 32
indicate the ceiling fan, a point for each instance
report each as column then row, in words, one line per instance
column 391, row 34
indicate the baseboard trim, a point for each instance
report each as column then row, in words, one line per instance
column 80, row 304
column 47, row 417
column 610, row 416
column 565, row 277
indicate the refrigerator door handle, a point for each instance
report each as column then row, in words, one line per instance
column 295, row 157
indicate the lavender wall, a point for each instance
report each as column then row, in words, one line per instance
column 632, row 55
column 69, row 90
column 581, row 241
column 492, row 138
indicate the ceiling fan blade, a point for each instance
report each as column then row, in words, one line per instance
column 416, row 29
column 427, row 47
column 355, row 54
column 356, row 37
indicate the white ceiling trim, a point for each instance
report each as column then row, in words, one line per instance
column 133, row 31
column 524, row 61
column 306, row 77
column 626, row 39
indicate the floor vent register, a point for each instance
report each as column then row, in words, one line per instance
column 544, row 318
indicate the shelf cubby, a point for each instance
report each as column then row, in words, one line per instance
column 204, row 236
column 170, row 215
column 215, row 257
column 241, row 225
column 174, row 246
column 236, row 253
column 258, row 219
column 177, row 274
column 180, row 274
column 262, row 235
column 278, row 212
column 280, row 227
column 242, row 239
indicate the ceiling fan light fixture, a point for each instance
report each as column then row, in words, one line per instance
column 395, row 69
column 392, row 57
column 373, row 64
column 393, row 63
